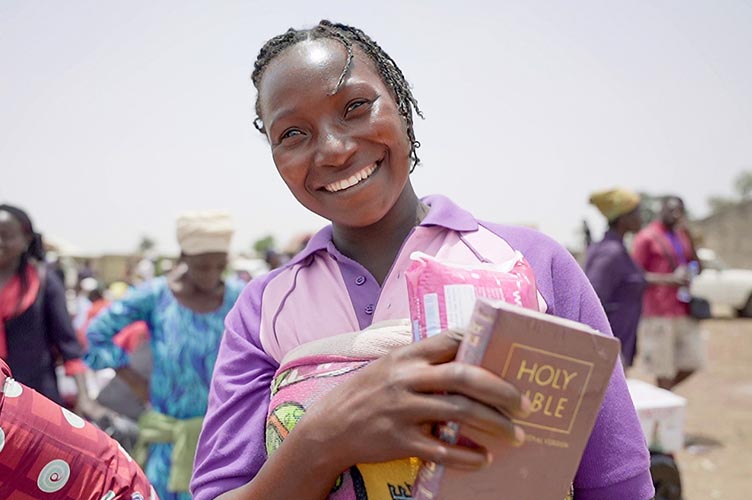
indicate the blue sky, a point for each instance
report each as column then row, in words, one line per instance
column 117, row 116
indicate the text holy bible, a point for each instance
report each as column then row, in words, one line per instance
column 564, row 368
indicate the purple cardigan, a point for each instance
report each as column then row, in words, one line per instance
column 321, row 286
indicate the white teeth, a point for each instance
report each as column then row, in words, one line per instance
column 352, row 180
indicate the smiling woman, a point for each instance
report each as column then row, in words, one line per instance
column 338, row 138
column 338, row 115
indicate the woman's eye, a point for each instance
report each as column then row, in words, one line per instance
column 290, row 133
column 355, row 105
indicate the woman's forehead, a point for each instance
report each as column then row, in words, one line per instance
column 8, row 218
column 312, row 67
column 10, row 224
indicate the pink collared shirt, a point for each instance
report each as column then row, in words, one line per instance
column 650, row 254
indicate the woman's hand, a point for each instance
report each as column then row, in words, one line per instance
column 87, row 407
column 90, row 409
column 137, row 383
column 386, row 411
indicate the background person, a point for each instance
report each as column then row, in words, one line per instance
column 35, row 327
column 185, row 312
column 617, row 280
column 670, row 343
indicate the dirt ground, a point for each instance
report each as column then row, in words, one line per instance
column 717, row 459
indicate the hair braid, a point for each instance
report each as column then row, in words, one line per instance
column 390, row 73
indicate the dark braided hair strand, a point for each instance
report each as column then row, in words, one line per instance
column 390, row 73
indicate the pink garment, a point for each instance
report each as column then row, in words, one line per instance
column 442, row 294
column 649, row 252
column 48, row 452
column 13, row 302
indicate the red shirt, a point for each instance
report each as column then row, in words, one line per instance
column 649, row 251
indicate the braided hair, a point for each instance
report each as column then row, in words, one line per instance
column 390, row 73
column 35, row 250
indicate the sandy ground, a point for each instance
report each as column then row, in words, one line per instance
column 717, row 459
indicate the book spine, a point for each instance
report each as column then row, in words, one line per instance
column 472, row 349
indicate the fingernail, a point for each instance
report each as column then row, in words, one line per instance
column 525, row 405
column 519, row 436
column 489, row 458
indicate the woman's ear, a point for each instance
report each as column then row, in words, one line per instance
column 259, row 125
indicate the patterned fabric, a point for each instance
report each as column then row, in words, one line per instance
column 48, row 452
column 184, row 346
column 318, row 367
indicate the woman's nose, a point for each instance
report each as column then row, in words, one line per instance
column 334, row 149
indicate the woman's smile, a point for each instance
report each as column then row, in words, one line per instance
column 358, row 178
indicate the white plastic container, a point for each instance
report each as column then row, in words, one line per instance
column 661, row 414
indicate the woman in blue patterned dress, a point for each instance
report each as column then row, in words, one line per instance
column 185, row 312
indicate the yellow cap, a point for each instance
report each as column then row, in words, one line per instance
column 614, row 203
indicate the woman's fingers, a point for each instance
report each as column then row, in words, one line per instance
column 432, row 449
column 440, row 348
column 471, row 381
column 471, row 415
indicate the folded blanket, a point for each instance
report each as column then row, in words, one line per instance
column 313, row 369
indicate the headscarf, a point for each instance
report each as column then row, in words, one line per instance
column 204, row 232
column 614, row 203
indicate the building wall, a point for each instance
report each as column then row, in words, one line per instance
column 729, row 233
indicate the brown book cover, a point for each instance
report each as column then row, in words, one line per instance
column 564, row 367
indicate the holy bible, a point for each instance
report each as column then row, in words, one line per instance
column 564, row 368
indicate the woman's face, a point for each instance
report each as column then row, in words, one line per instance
column 633, row 220
column 672, row 212
column 205, row 270
column 13, row 240
column 344, row 155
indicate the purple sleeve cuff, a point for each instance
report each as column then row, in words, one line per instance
column 639, row 487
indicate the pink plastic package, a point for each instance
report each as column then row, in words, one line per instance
column 442, row 294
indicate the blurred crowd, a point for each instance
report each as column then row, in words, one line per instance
column 134, row 356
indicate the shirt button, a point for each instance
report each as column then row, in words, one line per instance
column 360, row 280
column 369, row 309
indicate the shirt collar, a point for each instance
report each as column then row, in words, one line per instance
column 660, row 226
column 612, row 234
column 442, row 212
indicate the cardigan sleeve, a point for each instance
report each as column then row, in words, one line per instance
column 59, row 326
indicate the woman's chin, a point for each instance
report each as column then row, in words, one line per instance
column 207, row 288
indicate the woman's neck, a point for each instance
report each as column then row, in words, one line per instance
column 620, row 231
column 191, row 297
column 8, row 270
column 376, row 246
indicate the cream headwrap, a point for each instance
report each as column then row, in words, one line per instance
column 204, row 232
column 614, row 203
